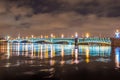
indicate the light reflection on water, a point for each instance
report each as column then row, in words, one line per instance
column 51, row 51
column 45, row 57
column 117, row 57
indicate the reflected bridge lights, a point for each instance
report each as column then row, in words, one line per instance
column 117, row 57
column 76, row 56
column 62, row 62
column 117, row 34
column 87, row 55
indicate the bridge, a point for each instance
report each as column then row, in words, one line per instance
column 62, row 40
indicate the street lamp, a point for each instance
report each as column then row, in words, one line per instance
column 62, row 35
column 51, row 35
column 87, row 35
column 76, row 35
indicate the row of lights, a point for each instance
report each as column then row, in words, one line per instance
column 87, row 35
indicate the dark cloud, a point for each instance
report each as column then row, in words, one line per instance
column 59, row 16
column 84, row 7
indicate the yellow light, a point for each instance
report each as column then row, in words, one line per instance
column 117, row 30
column 62, row 35
column 41, row 36
column 46, row 36
column 8, row 37
column 87, row 35
column 87, row 55
column 32, row 36
column 72, row 36
column 54, row 36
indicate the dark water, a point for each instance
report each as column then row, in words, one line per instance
column 59, row 62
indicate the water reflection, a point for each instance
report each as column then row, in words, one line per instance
column 87, row 55
column 52, row 51
column 32, row 58
column 117, row 57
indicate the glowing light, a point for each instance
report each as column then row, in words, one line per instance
column 117, row 55
column 46, row 36
column 76, row 56
column 87, row 55
column 72, row 53
column 72, row 36
column 52, row 35
column 117, row 30
column 8, row 37
column 117, row 34
column 46, row 54
column 8, row 50
column 26, row 37
column 32, row 50
column 87, row 35
column 62, row 51
column 117, row 60
column 41, row 36
column 62, row 62
column 41, row 54
column 18, row 48
column 32, row 36
column 52, row 62
column 51, row 54
column 76, row 34
column 62, row 35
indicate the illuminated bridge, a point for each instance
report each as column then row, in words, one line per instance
column 63, row 40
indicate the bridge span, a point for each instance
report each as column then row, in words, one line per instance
column 63, row 40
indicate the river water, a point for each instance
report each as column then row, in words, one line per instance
column 28, row 61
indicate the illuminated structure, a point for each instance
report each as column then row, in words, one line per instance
column 117, row 34
column 76, row 40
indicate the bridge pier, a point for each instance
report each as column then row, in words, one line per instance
column 76, row 43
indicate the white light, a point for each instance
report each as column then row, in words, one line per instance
column 76, row 34
column 62, row 35
column 41, row 36
column 32, row 36
column 51, row 35
column 117, row 34
column 87, row 35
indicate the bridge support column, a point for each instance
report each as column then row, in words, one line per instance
column 76, row 44
column 76, row 41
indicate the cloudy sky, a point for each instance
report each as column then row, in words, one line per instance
column 59, row 16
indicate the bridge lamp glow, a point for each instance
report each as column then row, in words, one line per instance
column 41, row 36
column 8, row 37
column 32, row 36
column 26, row 37
column 72, row 36
column 51, row 35
column 62, row 35
column 87, row 35
column 117, row 34
column 46, row 36
column 76, row 34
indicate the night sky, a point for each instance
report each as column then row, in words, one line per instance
column 59, row 16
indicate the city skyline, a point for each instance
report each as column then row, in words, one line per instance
column 59, row 17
